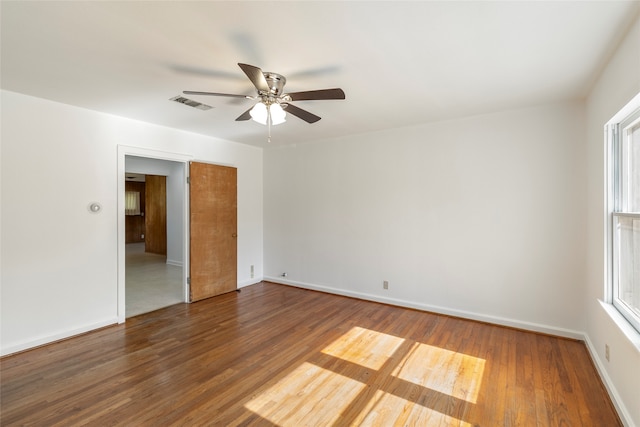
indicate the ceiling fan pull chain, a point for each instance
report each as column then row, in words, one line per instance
column 269, row 122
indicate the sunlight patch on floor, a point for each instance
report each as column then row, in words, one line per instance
column 365, row 347
column 307, row 396
column 447, row 372
column 412, row 379
column 386, row 409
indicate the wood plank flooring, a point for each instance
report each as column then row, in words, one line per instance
column 274, row 355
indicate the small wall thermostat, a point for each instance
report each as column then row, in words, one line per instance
column 95, row 207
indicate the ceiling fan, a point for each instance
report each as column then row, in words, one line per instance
column 273, row 103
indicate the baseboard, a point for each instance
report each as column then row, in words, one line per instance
column 26, row 345
column 623, row 413
column 174, row 262
column 529, row 326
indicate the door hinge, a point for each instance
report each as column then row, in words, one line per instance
column 188, row 280
column 188, row 180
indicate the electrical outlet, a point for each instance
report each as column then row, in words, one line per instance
column 252, row 271
column 142, row 236
column 385, row 285
column 606, row 351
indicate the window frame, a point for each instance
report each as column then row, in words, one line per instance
column 615, row 132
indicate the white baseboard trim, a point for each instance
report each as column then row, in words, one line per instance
column 536, row 327
column 174, row 262
column 623, row 413
column 26, row 345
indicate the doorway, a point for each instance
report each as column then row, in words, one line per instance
column 152, row 281
column 178, row 217
column 154, row 224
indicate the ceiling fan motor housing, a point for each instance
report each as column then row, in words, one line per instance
column 276, row 83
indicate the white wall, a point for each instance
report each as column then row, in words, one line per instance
column 618, row 84
column 59, row 261
column 479, row 217
column 175, row 173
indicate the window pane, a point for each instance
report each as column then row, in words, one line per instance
column 628, row 263
column 630, row 170
column 131, row 203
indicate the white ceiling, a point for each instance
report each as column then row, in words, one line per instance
column 400, row 63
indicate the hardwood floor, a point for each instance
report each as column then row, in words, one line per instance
column 274, row 355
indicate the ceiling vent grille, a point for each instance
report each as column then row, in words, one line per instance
column 191, row 103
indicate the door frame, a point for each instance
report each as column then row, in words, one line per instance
column 124, row 151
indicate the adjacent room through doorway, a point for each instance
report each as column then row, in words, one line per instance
column 154, row 204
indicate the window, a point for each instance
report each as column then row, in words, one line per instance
column 131, row 203
column 624, row 208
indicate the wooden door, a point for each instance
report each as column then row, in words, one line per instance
column 156, row 214
column 213, row 230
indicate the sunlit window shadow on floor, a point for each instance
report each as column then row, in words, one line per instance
column 375, row 379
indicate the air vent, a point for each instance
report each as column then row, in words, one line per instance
column 191, row 103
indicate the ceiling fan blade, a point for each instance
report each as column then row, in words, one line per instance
column 195, row 92
column 310, row 95
column 244, row 116
column 303, row 114
column 256, row 76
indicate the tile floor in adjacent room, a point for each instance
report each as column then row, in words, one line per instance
column 151, row 283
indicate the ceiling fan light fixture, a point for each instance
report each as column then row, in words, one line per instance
column 277, row 114
column 260, row 113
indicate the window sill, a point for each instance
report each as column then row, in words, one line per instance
column 627, row 330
